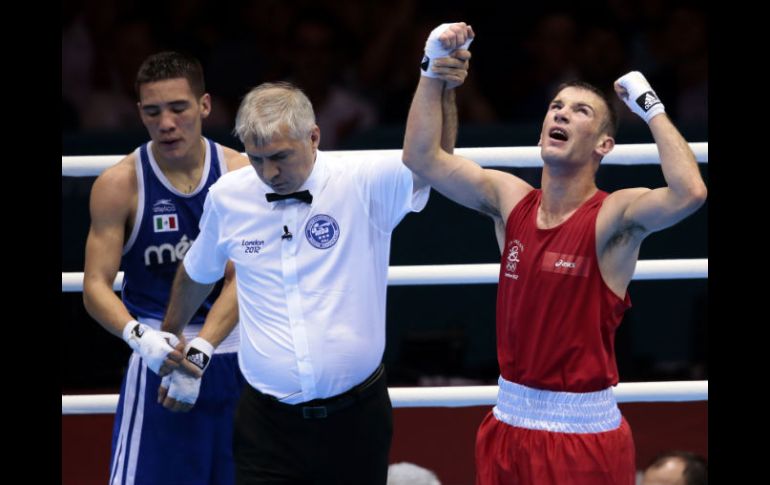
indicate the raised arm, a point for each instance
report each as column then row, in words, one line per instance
column 630, row 215
column 455, row 67
column 685, row 191
column 449, row 119
column 425, row 152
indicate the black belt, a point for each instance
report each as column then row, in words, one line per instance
column 321, row 408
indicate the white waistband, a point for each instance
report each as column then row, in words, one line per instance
column 561, row 412
column 229, row 344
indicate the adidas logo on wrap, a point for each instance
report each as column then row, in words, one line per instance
column 137, row 331
column 424, row 63
column 198, row 358
column 647, row 100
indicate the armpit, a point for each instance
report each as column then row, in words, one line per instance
column 629, row 232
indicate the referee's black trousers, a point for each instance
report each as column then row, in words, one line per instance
column 342, row 440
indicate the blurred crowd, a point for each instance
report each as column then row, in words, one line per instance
column 358, row 60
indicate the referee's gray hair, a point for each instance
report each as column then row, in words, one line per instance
column 267, row 107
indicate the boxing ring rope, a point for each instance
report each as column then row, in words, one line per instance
column 455, row 396
column 629, row 154
column 469, row 274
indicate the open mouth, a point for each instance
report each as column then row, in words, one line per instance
column 558, row 134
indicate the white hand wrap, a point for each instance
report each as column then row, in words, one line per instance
column 434, row 50
column 199, row 351
column 153, row 345
column 641, row 98
column 165, row 381
column 182, row 386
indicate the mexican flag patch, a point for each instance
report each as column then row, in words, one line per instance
column 165, row 223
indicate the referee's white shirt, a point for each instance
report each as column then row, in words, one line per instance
column 312, row 307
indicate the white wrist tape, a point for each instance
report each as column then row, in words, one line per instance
column 132, row 327
column 199, row 352
column 434, row 50
column 641, row 99
column 153, row 345
column 182, row 386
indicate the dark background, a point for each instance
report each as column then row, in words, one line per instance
column 358, row 62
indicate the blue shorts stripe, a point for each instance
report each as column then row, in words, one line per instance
column 152, row 445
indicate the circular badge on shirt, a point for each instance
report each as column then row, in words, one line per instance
column 322, row 231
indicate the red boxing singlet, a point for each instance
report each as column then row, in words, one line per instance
column 556, row 317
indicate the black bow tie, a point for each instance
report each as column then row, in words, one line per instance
column 303, row 196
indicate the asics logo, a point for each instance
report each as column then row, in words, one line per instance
column 566, row 264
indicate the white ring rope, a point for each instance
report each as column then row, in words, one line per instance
column 629, row 154
column 453, row 397
column 457, row 274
